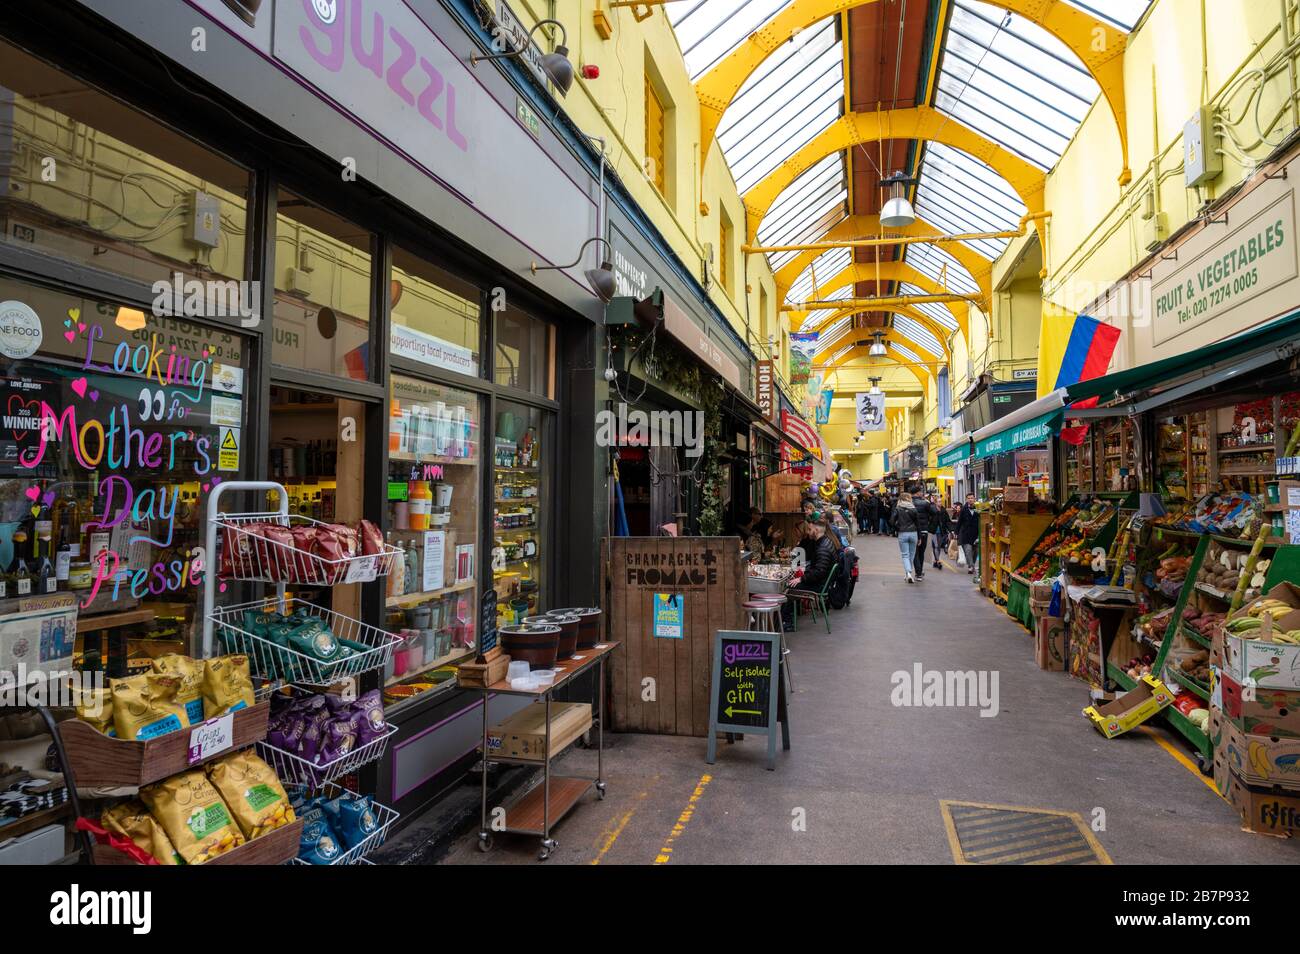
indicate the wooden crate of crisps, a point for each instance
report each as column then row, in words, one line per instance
column 99, row 760
column 274, row 848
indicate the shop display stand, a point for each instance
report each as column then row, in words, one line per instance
column 265, row 561
column 542, row 806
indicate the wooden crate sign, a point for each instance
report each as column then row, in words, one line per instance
column 662, row 685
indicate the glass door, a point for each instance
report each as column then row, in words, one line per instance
column 519, row 511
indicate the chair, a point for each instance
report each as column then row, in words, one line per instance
column 817, row 599
column 764, row 616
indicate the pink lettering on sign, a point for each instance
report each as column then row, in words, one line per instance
column 736, row 652
column 392, row 57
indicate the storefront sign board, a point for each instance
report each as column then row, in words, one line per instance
column 746, row 680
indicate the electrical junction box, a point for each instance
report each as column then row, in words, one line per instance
column 1201, row 160
column 206, row 227
column 1155, row 231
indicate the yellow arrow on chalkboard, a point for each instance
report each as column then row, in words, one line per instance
column 730, row 711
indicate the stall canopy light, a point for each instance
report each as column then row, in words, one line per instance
column 897, row 212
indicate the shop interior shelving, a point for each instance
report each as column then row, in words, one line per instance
column 518, row 532
column 1006, row 539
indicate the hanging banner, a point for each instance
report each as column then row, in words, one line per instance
column 871, row 411
column 822, row 408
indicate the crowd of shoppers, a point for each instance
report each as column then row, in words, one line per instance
column 923, row 524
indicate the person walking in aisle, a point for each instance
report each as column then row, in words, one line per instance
column 872, row 505
column 887, row 505
column 926, row 518
column 968, row 531
column 904, row 524
column 862, row 515
column 941, row 531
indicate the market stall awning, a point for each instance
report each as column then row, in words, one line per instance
column 1034, row 423
column 1205, row 367
column 955, row 452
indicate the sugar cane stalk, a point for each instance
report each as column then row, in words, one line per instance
column 1239, row 594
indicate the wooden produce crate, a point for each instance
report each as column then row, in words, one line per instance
column 274, row 848
column 99, row 760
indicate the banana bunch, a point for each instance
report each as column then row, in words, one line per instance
column 1270, row 605
column 1291, row 637
column 1259, row 759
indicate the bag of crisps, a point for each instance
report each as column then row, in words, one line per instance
column 193, row 815
column 95, row 707
column 227, row 685
column 145, row 706
column 190, row 673
column 253, row 792
column 132, row 820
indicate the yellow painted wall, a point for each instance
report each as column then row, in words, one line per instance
column 613, row 106
column 1175, row 60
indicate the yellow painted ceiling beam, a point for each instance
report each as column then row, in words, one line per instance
column 920, row 317
column 877, row 303
column 889, row 272
column 1096, row 43
column 920, row 122
column 922, row 374
column 861, row 226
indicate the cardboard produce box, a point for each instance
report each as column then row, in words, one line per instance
column 1130, row 710
column 1263, row 811
column 1256, row 656
column 523, row 735
column 1049, row 644
column 1257, row 759
column 1256, row 711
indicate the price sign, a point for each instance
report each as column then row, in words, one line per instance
column 746, row 682
column 487, row 621
column 363, row 570
column 211, row 738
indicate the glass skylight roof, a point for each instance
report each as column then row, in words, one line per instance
column 907, row 353
column 708, row 30
column 959, row 193
column 931, row 260
column 807, row 209
column 932, row 309
column 1121, row 14
column 918, row 333
column 826, row 266
column 795, row 94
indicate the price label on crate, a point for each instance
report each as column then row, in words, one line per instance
column 212, row 737
column 363, row 570
column 1287, row 466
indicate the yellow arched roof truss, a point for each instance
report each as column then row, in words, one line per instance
column 939, row 331
column 889, row 272
column 920, row 122
column 1097, row 44
column 922, row 373
column 868, row 226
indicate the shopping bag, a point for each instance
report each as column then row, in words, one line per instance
column 953, row 549
column 961, row 557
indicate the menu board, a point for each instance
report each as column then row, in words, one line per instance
column 746, row 670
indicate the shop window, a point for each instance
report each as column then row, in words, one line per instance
column 524, row 349
column 322, row 291
column 519, row 517
column 657, row 139
column 724, row 251
column 435, row 316
column 116, row 425
column 90, row 180
column 434, row 475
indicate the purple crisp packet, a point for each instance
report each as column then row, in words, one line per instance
column 339, row 738
column 368, row 717
column 314, row 734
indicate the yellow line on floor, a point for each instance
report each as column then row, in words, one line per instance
column 611, row 834
column 666, row 852
column 1178, row 756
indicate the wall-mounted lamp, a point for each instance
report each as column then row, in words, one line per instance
column 557, row 66
column 600, row 279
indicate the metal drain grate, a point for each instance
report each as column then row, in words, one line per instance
column 1007, row 835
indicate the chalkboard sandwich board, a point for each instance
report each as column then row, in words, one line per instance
column 746, row 669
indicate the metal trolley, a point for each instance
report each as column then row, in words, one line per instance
column 538, row 809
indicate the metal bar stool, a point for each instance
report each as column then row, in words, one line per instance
column 776, row 601
column 764, row 616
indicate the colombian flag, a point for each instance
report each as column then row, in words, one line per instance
column 1072, row 348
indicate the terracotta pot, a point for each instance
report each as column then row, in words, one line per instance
column 588, row 624
column 535, row 645
column 568, row 630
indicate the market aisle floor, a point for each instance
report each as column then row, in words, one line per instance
column 867, row 776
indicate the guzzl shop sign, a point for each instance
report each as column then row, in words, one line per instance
column 1258, row 255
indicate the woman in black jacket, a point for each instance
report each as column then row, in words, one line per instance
column 940, row 532
column 968, row 531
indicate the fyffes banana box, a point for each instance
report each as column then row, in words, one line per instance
column 1260, row 760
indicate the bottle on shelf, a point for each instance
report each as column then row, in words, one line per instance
column 46, row 576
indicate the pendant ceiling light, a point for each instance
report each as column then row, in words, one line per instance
column 877, row 349
column 897, row 212
column 875, row 385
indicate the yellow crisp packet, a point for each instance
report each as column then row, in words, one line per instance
column 95, row 707
column 190, row 672
column 253, row 791
column 145, row 707
column 132, row 820
column 227, row 685
column 194, row 816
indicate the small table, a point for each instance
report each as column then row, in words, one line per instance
column 543, row 805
